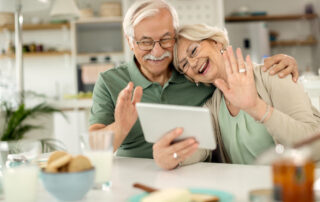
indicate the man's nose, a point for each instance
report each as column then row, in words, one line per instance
column 157, row 50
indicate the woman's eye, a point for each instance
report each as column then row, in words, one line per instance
column 184, row 65
column 193, row 51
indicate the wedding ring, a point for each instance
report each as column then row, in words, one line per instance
column 175, row 155
column 242, row 70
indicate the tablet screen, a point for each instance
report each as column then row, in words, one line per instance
column 158, row 119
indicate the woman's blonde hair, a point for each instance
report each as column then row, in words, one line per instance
column 199, row 32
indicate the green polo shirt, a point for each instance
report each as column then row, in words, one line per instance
column 178, row 91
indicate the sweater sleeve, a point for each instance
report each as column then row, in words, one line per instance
column 293, row 118
column 199, row 156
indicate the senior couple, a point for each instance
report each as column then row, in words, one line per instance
column 251, row 109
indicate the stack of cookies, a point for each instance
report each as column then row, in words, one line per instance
column 60, row 161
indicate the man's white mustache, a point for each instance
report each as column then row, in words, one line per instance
column 151, row 57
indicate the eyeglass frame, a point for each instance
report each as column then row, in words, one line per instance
column 158, row 41
column 190, row 56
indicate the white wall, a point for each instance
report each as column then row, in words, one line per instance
column 305, row 55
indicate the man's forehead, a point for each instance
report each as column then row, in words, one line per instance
column 155, row 26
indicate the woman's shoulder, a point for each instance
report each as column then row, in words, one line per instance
column 271, row 81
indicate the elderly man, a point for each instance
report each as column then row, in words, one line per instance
column 150, row 28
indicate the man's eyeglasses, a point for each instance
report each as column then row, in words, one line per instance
column 148, row 44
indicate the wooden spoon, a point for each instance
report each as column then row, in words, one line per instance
column 194, row 197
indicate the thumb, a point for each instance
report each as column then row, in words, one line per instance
column 137, row 94
column 222, row 85
column 170, row 136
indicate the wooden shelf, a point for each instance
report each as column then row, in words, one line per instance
column 37, row 26
column 117, row 19
column 99, row 54
column 38, row 54
column 270, row 18
column 293, row 43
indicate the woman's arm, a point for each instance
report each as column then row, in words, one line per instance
column 291, row 117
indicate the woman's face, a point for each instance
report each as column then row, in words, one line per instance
column 200, row 60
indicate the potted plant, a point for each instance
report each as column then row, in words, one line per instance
column 14, row 126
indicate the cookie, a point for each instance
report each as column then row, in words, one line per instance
column 50, row 169
column 79, row 163
column 64, row 168
column 55, row 155
column 60, row 162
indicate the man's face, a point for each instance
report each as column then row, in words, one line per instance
column 158, row 27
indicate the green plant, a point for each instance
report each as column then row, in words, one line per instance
column 14, row 120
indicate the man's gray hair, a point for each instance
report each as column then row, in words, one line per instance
column 142, row 9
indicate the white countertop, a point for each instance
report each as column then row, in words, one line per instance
column 236, row 179
column 232, row 178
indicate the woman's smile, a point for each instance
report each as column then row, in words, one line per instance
column 204, row 67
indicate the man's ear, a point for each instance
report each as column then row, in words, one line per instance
column 129, row 43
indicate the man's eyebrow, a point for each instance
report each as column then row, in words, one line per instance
column 166, row 34
column 145, row 37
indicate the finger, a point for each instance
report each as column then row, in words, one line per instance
column 227, row 64
column 279, row 67
column 249, row 67
column 123, row 97
column 222, row 85
column 241, row 64
column 232, row 60
column 169, row 137
column 124, row 93
column 182, row 145
column 285, row 72
column 130, row 89
column 137, row 94
column 270, row 61
column 295, row 75
column 187, row 152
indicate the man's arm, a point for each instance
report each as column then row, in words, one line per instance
column 283, row 65
column 125, row 115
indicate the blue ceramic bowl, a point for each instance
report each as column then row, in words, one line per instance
column 68, row 186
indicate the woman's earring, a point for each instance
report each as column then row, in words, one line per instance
column 221, row 51
column 197, row 84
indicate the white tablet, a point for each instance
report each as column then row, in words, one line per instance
column 158, row 119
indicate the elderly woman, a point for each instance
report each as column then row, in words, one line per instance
column 251, row 110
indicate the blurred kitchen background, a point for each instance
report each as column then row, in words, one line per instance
column 63, row 56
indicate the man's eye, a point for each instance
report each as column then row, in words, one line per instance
column 165, row 40
column 147, row 43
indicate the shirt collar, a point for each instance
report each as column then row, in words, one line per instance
column 139, row 80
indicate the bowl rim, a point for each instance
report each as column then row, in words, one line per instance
column 59, row 173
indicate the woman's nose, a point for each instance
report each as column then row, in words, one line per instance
column 192, row 62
